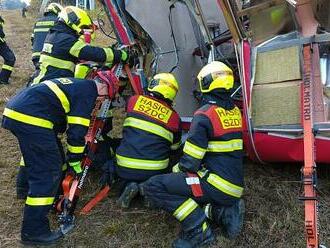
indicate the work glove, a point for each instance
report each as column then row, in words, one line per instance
column 176, row 168
column 108, row 173
column 76, row 166
column 129, row 57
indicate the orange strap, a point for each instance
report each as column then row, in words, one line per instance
column 99, row 197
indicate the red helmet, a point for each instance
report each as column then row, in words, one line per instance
column 110, row 79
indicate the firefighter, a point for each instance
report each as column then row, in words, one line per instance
column 35, row 116
column 210, row 172
column 63, row 48
column 8, row 56
column 152, row 130
column 40, row 30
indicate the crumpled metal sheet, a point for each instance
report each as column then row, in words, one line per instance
column 153, row 16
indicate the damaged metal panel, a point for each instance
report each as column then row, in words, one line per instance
column 182, row 43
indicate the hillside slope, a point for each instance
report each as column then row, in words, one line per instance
column 274, row 216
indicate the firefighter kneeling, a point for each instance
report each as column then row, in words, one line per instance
column 210, row 173
column 35, row 116
column 152, row 132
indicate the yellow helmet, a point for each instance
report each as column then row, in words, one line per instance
column 54, row 8
column 77, row 19
column 164, row 84
column 215, row 75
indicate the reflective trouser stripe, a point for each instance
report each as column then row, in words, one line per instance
column 176, row 146
column 7, row 67
column 109, row 54
column 45, row 23
column 35, row 54
column 149, row 127
column 225, row 146
column 141, row 164
column 185, row 209
column 76, row 48
column 60, row 95
column 41, row 30
column 28, row 119
column 194, row 150
column 224, row 186
column 21, row 162
column 39, row 201
column 64, row 167
column 55, row 62
column 78, row 120
column 76, row 149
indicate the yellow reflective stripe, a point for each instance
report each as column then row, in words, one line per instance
column 42, row 73
column 64, row 167
column 35, row 54
column 7, row 67
column 225, row 146
column 176, row 146
column 185, row 209
column 46, row 60
column 78, row 120
column 39, row 201
column 28, row 119
column 204, row 226
column 149, row 127
column 141, row 164
column 21, row 162
column 193, row 150
column 45, row 23
column 75, row 149
column 225, row 186
column 76, row 48
column 60, row 95
column 109, row 54
column 39, row 30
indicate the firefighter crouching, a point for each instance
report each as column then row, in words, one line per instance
column 63, row 48
column 35, row 116
column 40, row 30
column 211, row 171
column 152, row 131
column 8, row 56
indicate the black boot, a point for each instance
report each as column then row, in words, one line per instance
column 232, row 219
column 197, row 237
column 129, row 193
column 44, row 239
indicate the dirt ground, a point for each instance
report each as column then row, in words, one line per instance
column 274, row 215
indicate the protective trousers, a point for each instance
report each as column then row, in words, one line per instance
column 43, row 163
column 22, row 185
column 173, row 193
column 9, row 62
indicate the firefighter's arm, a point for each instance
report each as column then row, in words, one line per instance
column 196, row 145
column 2, row 34
column 78, row 120
column 84, row 51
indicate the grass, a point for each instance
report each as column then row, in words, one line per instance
column 274, row 216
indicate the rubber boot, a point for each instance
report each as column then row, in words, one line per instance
column 44, row 239
column 197, row 237
column 232, row 219
column 129, row 193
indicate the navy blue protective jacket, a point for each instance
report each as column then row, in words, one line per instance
column 214, row 147
column 58, row 104
column 40, row 31
column 63, row 49
column 152, row 129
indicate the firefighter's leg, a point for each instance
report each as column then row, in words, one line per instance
column 22, row 186
column 43, row 162
column 172, row 193
column 8, row 65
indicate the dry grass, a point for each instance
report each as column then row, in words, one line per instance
column 274, row 216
